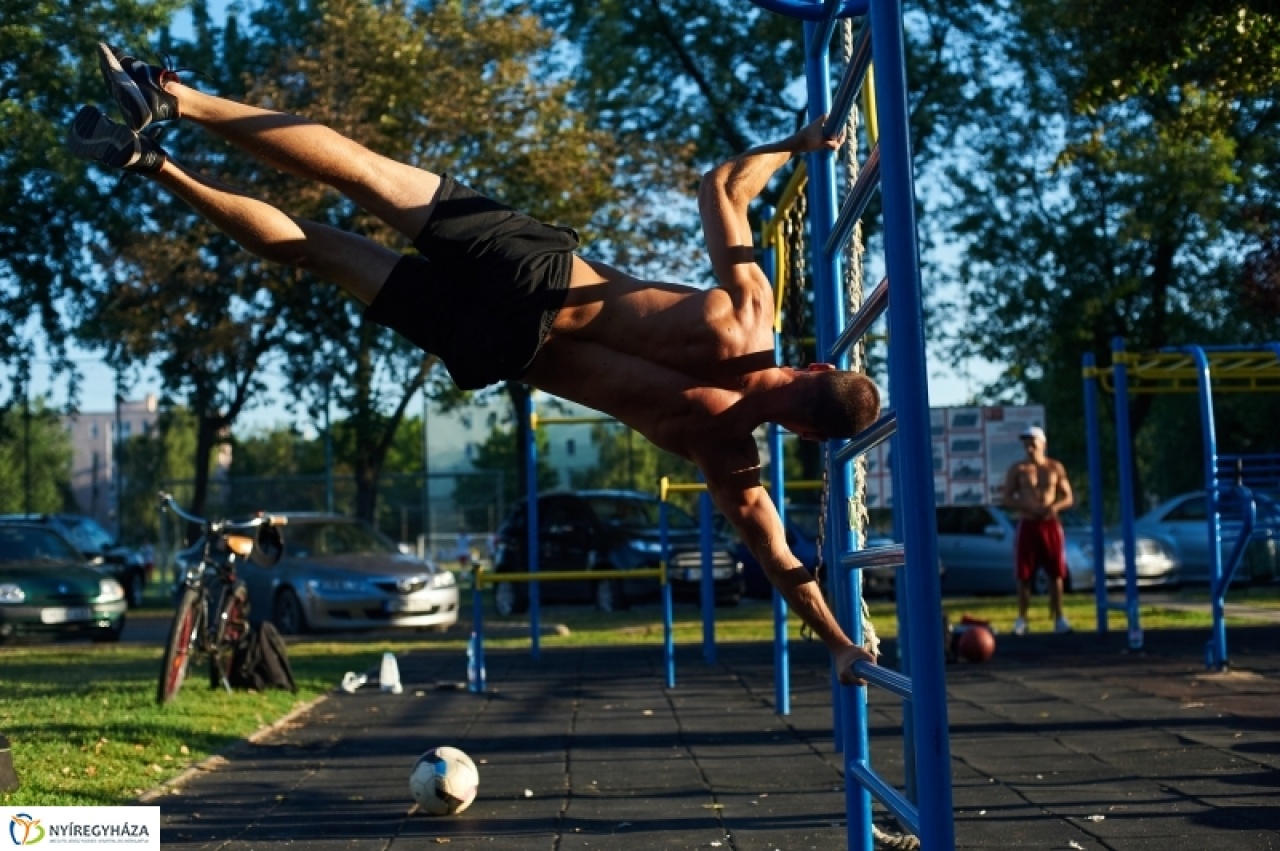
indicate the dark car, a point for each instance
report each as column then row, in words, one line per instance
column 48, row 588
column 129, row 566
column 607, row 530
column 339, row 573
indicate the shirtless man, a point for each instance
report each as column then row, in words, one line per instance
column 497, row 295
column 1038, row 489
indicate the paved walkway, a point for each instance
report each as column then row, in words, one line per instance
column 1060, row 742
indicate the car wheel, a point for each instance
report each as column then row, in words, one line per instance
column 609, row 597
column 287, row 613
column 507, row 600
column 135, row 588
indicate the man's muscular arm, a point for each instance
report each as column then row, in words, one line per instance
column 741, row 498
column 729, row 188
column 1064, row 498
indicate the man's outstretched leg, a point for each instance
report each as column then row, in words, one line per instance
column 401, row 195
column 357, row 264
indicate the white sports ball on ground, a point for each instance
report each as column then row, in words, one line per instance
column 444, row 781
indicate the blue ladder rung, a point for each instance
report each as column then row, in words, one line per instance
column 850, row 84
column 904, row 810
column 888, row 679
column 875, row 434
column 853, row 207
column 872, row 307
column 891, row 556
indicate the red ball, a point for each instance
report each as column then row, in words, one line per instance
column 976, row 644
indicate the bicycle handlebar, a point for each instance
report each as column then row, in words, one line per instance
column 167, row 502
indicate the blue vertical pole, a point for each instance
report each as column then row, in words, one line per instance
column 1124, row 457
column 1216, row 656
column 475, row 650
column 1096, row 488
column 708, row 580
column 909, row 382
column 781, row 646
column 531, row 471
column 901, row 604
column 850, row 703
column 668, row 627
column 777, row 478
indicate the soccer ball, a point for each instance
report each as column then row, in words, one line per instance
column 444, row 781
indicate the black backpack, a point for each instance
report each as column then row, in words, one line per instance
column 261, row 661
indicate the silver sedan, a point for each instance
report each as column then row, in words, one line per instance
column 339, row 573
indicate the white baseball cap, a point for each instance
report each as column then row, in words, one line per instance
column 1035, row 433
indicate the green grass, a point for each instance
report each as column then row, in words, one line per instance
column 86, row 730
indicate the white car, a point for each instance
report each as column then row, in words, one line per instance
column 1185, row 521
column 976, row 546
column 339, row 573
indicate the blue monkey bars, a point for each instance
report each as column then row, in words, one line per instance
column 922, row 684
column 1229, row 480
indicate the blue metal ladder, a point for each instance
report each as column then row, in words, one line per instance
column 926, row 810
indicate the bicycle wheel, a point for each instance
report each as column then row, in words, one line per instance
column 231, row 626
column 184, row 639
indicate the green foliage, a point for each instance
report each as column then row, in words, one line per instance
column 150, row 463
column 49, row 214
column 35, row 460
column 630, row 462
column 1106, row 188
column 500, row 454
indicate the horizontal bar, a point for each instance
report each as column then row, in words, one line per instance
column 807, row 10
column 891, row 556
column 699, row 487
column 875, row 434
column 887, row 678
column 853, row 207
column 486, row 578
column 850, row 84
column 866, row 316
column 908, row 816
column 574, row 421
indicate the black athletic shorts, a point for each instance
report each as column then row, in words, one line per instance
column 485, row 290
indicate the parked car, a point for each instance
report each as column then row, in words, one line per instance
column 607, row 530
column 339, row 573
column 130, row 566
column 976, row 546
column 1184, row 520
column 49, row 588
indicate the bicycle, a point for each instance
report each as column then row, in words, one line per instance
column 212, row 614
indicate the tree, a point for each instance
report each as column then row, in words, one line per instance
column 49, row 215
column 150, row 463
column 500, row 455
column 1111, row 185
column 35, row 460
column 629, row 461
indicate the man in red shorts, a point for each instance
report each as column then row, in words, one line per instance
column 1038, row 489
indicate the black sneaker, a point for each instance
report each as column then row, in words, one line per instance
column 137, row 87
column 95, row 137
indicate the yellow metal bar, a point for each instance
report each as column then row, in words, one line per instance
column 869, row 105
column 1175, row 372
column 487, row 579
column 579, row 421
column 769, row 233
column 669, row 487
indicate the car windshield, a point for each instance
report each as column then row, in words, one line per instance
column 24, row 543
column 86, row 534
column 334, row 539
column 637, row 514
